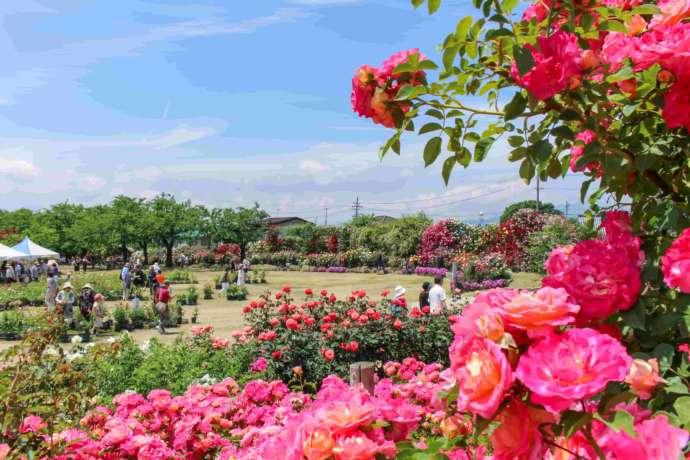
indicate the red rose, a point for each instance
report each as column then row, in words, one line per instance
column 287, row 289
column 333, row 298
column 328, row 354
column 246, row 309
column 397, row 324
column 324, row 293
column 276, row 355
column 353, row 346
column 361, row 294
column 308, row 292
column 274, row 322
column 384, row 293
column 426, row 309
column 279, row 295
column 291, row 324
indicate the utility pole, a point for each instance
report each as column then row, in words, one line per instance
column 326, row 220
column 567, row 205
column 356, row 206
column 538, row 188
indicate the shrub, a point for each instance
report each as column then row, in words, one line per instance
column 355, row 328
column 236, row 292
column 181, row 277
column 121, row 317
column 474, row 268
column 208, row 291
column 191, row 296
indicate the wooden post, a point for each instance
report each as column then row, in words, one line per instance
column 363, row 372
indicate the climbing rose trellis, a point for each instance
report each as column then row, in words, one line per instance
column 600, row 88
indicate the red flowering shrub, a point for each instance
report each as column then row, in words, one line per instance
column 324, row 335
column 513, row 235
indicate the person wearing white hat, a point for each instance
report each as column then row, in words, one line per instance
column 66, row 300
column 398, row 300
column 399, row 292
column 51, row 290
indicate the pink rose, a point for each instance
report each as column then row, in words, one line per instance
column 219, row 343
column 585, row 137
column 562, row 369
column 538, row 10
column 539, row 312
column 676, row 103
column 517, row 436
column 556, row 65
column 675, row 264
column 483, row 375
column 643, row 377
column 32, row 424
column 602, row 276
column 357, row 447
column 4, row 451
column 672, row 12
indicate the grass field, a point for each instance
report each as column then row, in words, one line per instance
column 226, row 316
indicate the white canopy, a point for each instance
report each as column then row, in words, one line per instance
column 7, row 252
column 33, row 251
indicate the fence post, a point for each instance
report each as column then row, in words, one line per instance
column 363, row 372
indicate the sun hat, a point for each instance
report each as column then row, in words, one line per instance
column 87, row 286
column 399, row 292
column 67, row 285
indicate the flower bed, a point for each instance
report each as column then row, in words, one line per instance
column 466, row 286
column 324, row 335
column 430, row 271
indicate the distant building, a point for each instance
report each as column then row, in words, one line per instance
column 283, row 223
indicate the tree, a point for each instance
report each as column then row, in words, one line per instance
column 403, row 235
column 241, row 226
column 172, row 221
column 544, row 208
column 124, row 217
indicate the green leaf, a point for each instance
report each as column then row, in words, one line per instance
column 409, row 92
column 515, row 107
column 432, row 150
column 523, row 59
column 646, row 9
column 676, row 385
column 572, row 422
column 449, row 56
column 626, row 73
column 635, row 317
column 434, row 5
column 463, row 28
column 682, row 407
column 447, row 169
column 482, row 148
column 613, row 26
column 429, row 127
column 664, row 354
column 543, row 150
column 527, row 170
column 610, row 401
column 622, row 420
column 435, row 113
column 427, row 64
column 564, row 132
column 516, row 141
column 509, row 5
column 417, row 3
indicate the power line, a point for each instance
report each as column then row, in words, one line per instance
column 357, row 206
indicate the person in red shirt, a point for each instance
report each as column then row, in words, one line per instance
column 163, row 298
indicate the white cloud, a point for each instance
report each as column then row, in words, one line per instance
column 313, row 166
column 12, row 167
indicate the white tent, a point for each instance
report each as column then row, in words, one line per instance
column 33, row 251
column 7, row 252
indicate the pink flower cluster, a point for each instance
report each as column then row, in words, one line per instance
column 602, row 275
column 556, row 66
column 675, row 264
column 374, row 90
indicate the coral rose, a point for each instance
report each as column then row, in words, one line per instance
column 675, row 264
column 540, row 311
column 577, row 364
column 643, row 377
column 4, row 451
column 556, row 64
column 479, row 320
column 517, row 436
column 318, row 445
column 672, row 12
column 482, row 373
column 32, row 424
column 357, row 447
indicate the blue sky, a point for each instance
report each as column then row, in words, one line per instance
column 225, row 103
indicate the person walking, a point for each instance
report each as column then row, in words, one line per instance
column 163, row 298
column 51, row 291
column 65, row 301
column 9, row 274
column 33, row 270
column 424, row 295
column 241, row 274
column 437, row 296
column 225, row 281
column 126, row 278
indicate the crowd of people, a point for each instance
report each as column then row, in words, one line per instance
column 25, row 272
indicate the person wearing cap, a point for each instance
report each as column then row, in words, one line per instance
column 65, row 301
column 398, row 302
column 86, row 301
column 163, row 298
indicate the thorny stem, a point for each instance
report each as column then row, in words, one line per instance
column 588, row 434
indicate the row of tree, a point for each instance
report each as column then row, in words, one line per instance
column 127, row 224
